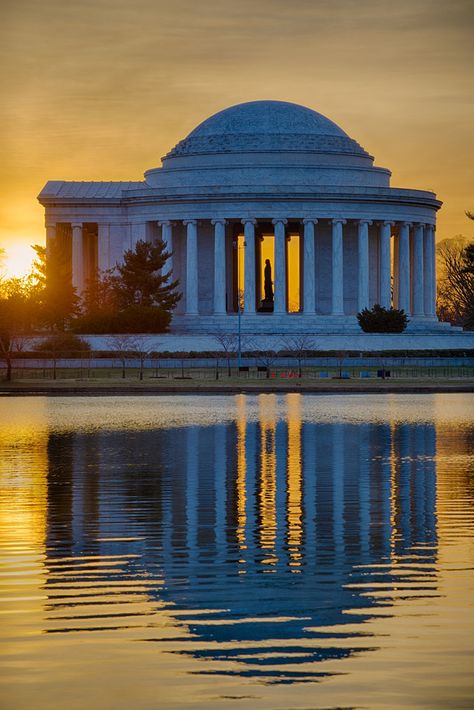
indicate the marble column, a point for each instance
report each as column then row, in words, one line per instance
column 337, row 268
column 404, row 267
column 309, row 267
column 280, row 266
column 103, row 247
column 167, row 239
column 138, row 233
column 430, row 278
column 249, row 266
column 219, row 267
column 418, row 276
column 50, row 237
column 191, row 268
column 77, row 257
column 363, row 262
column 385, row 297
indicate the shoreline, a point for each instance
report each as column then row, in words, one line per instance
column 66, row 388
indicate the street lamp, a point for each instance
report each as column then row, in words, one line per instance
column 239, row 310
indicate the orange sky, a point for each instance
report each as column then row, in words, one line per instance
column 101, row 89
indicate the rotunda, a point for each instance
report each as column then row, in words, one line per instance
column 273, row 216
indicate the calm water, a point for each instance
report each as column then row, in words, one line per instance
column 290, row 551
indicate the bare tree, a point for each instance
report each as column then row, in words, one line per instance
column 123, row 346
column 298, row 346
column 455, row 293
column 267, row 358
column 229, row 343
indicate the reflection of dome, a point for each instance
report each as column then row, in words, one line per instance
column 261, row 126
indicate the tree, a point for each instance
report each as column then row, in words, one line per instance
column 298, row 346
column 57, row 298
column 229, row 343
column 382, row 320
column 455, row 296
column 142, row 278
column 14, row 320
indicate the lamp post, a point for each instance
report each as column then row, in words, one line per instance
column 239, row 309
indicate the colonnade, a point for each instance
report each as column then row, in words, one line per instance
column 408, row 282
column 414, row 283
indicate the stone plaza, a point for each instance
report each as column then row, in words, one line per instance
column 265, row 181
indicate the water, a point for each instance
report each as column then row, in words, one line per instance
column 268, row 551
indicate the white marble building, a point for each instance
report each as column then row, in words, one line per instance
column 263, row 179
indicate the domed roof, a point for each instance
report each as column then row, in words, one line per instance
column 266, row 126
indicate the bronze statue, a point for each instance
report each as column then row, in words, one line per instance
column 268, row 283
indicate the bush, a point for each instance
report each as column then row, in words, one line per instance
column 382, row 320
column 134, row 319
column 63, row 345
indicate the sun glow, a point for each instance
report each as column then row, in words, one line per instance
column 18, row 260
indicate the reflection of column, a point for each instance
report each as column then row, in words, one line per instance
column 386, row 488
column 385, row 299
column 191, row 268
column 417, row 278
column 250, row 486
column 337, row 267
column 219, row 266
column 363, row 271
column 249, row 266
column 267, row 488
column 404, row 267
column 338, row 487
column 220, row 470
column 364, row 489
column 103, row 247
column 281, row 450
column 280, row 289
column 167, row 239
column 241, row 471
column 295, row 492
column 309, row 267
column 309, row 458
column 77, row 257
column 192, row 491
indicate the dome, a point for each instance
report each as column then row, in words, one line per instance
column 266, row 126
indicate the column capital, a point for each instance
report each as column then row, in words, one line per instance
column 388, row 223
column 419, row 225
column 365, row 221
column 189, row 221
column 76, row 225
column 310, row 220
column 278, row 220
column 405, row 224
column 248, row 220
column 164, row 223
column 339, row 220
column 218, row 221
column 50, row 225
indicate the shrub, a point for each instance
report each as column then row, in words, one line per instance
column 63, row 345
column 382, row 320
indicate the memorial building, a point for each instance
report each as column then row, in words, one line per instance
column 272, row 214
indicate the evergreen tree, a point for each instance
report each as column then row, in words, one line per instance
column 143, row 279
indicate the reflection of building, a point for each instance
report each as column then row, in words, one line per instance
column 297, row 188
column 267, row 532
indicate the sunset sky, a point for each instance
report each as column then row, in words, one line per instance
column 101, row 89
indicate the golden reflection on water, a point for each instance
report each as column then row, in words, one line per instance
column 114, row 594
